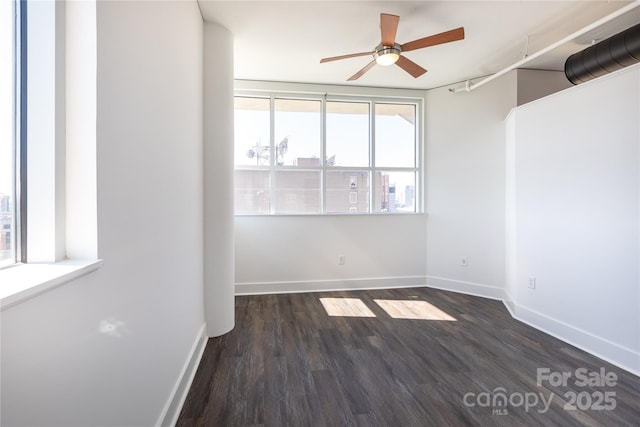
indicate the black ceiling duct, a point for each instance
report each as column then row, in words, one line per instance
column 609, row 55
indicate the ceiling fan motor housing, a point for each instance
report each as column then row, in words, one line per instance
column 385, row 50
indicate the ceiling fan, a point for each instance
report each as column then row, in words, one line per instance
column 389, row 52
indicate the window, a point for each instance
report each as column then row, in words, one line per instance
column 297, row 132
column 348, row 133
column 322, row 154
column 8, row 217
column 395, row 135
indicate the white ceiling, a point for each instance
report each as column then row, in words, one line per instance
column 285, row 40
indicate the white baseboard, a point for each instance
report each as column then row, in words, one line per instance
column 172, row 408
column 468, row 288
column 613, row 353
column 258, row 288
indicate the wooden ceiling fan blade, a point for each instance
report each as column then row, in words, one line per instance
column 388, row 28
column 410, row 67
column 446, row 37
column 351, row 55
column 359, row 74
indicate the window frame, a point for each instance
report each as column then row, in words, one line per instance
column 55, row 43
column 370, row 96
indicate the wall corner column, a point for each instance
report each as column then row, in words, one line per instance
column 219, row 274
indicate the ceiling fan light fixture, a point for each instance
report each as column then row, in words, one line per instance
column 388, row 51
column 387, row 55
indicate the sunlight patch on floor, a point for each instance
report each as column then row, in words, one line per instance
column 411, row 309
column 346, row 307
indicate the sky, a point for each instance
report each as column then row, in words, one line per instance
column 347, row 137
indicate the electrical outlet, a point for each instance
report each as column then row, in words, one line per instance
column 464, row 261
column 532, row 282
column 342, row 259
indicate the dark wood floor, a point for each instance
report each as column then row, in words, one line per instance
column 287, row 363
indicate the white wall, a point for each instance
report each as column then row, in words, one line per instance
column 300, row 253
column 107, row 349
column 218, row 180
column 465, row 186
column 575, row 167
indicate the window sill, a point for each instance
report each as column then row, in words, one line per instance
column 23, row 282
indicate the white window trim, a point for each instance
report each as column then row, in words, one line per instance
column 61, row 159
column 25, row 281
column 267, row 89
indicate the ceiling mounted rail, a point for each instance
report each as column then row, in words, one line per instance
column 468, row 87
